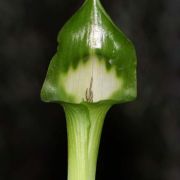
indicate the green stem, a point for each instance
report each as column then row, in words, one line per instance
column 84, row 126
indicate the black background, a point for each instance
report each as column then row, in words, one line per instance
column 140, row 140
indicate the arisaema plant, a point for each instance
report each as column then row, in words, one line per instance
column 94, row 68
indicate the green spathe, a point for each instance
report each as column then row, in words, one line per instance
column 90, row 36
column 94, row 67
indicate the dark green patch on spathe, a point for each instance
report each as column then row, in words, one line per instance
column 90, row 32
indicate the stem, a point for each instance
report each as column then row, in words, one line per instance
column 84, row 126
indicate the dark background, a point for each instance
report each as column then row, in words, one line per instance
column 140, row 140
